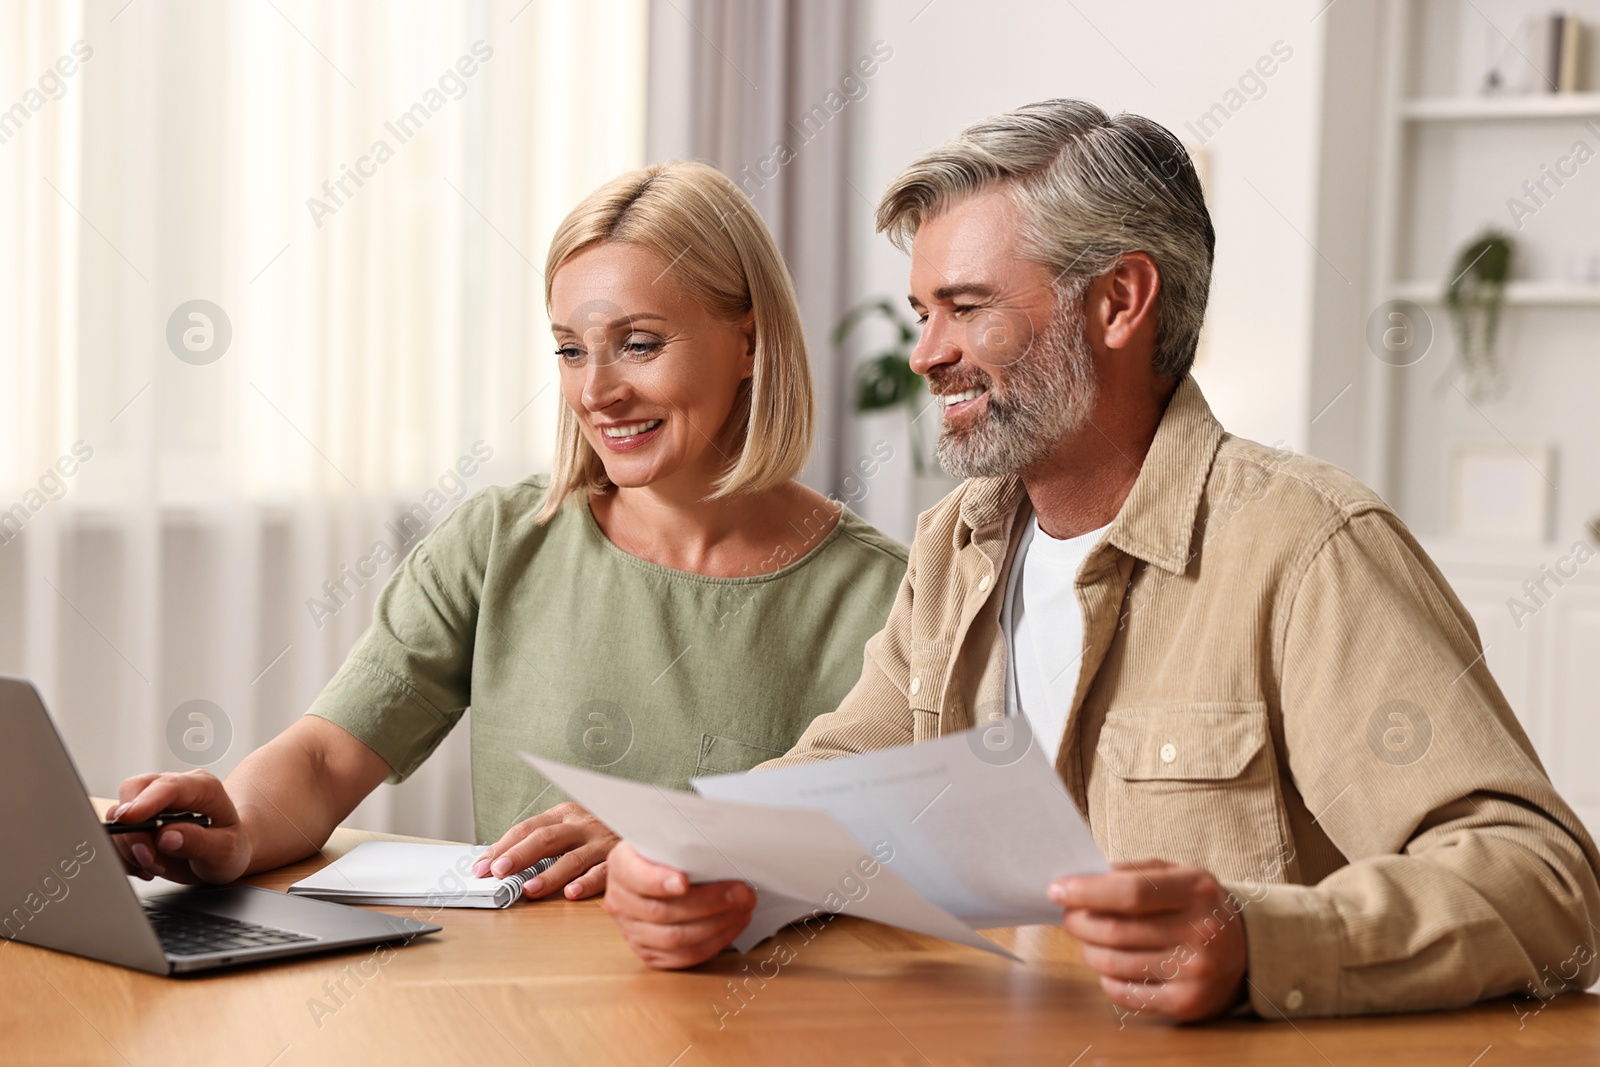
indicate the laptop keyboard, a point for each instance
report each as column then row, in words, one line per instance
column 195, row 933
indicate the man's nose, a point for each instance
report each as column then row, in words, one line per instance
column 937, row 345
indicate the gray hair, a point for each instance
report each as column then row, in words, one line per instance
column 1092, row 188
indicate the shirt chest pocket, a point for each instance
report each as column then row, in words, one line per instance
column 1193, row 783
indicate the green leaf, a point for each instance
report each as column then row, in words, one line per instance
column 885, row 381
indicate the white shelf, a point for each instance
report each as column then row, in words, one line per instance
column 1552, row 294
column 1524, row 106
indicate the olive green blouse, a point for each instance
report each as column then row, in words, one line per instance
column 570, row 648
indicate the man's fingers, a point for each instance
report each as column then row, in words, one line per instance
column 1128, row 892
column 642, row 878
column 1140, row 966
column 697, row 904
column 1180, row 1001
column 1115, row 931
column 685, row 944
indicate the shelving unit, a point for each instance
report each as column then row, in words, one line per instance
column 1510, row 106
column 1445, row 164
column 1518, row 294
column 1448, row 164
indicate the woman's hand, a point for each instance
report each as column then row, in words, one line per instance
column 183, row 852
column 566, row 830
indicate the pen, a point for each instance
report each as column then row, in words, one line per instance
column 150, row 826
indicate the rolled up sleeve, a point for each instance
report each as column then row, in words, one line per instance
column 1469, row 876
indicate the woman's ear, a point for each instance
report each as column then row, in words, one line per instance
column 748, row 329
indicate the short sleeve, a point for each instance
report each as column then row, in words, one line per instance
column 408, row 680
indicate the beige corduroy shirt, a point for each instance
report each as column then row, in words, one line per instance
column 1280, row 687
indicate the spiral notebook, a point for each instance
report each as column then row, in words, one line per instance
column 408, row 874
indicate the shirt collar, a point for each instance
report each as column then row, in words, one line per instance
column 1157, row 521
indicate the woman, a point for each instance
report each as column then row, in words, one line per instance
column 670, row 601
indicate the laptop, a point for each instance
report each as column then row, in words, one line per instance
column 63, row 885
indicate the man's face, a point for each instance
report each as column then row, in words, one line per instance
column 1009, row 363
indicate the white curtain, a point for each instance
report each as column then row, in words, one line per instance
column 358, row 197
column 763, row 90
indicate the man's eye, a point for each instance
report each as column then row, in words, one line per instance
column 922, row 319
column 962, row 309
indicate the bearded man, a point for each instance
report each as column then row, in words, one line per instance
column 1265, row 699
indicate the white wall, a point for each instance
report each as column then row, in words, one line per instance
column 955, row 63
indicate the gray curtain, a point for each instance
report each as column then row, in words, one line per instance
column 741, row 84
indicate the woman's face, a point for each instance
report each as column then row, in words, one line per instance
column 650, row 374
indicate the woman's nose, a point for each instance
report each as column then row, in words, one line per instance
column 603, row 381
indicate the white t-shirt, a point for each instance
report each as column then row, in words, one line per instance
column 1044, row 630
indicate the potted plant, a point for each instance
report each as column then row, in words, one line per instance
column 1473, row 296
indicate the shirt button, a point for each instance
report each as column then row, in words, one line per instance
column 916, row 686
column 983, row 584
column 1169, row 752
column 1294, row 1000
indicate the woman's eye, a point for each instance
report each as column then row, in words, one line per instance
column 641, row 349
column 569, row 353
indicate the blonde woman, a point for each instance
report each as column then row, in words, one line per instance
column 670, row 601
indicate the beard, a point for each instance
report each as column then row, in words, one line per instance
column 1049, row 393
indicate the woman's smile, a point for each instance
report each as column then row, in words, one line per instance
column 628, row 436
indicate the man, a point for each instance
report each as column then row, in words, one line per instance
column 1264, row 697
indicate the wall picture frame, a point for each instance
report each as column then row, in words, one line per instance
column 1500, row 491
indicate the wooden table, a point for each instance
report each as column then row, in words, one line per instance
column 553, row 983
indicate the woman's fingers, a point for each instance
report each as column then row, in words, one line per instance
column 513, row 837
column 576, row 839
column 561, row 829
column 591, row 883
column 146, row 796
column 567, row 867
column 214, row 854
column 182, row 852
column 541, row 842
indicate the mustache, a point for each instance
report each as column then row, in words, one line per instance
column 942, row 380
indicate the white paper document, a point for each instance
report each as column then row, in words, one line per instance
column 404, row 873
column 977, row 831
column 955, row 836
column 800, row 862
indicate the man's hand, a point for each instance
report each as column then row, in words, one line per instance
column 182, row 852
column 667, row 922
column 566, row 830
column 1164, row 938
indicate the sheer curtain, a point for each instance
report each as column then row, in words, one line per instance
column 765, row 91
column 270, row 305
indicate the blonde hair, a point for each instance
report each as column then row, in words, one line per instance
column 721, row 253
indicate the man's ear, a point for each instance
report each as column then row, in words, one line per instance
column 1128, row 300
